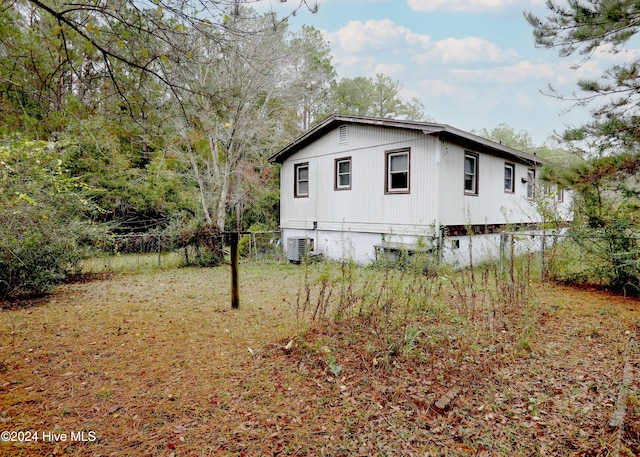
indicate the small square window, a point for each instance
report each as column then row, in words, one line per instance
column 471, row 174
column 509, row 177
column 343, row 174
column 398, row 171
column 301, row 180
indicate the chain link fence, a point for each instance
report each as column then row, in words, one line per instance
column 609, row 260
column 148, row 251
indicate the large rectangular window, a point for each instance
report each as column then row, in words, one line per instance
column 397, row 171
column 509, row 177
column 470, row 173
column 343, row 174
column 301, row 180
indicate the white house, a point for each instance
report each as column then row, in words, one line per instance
column 355, row 187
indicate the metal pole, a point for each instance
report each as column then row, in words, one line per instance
column 235, row 289
column 255, row 245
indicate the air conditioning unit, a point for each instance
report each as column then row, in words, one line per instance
column 297, row 249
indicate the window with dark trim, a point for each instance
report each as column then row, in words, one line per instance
column 301, row 188
column 398, row 171
column 342, row 174
column 470, row 173
column 509, row 177
column 531, row 182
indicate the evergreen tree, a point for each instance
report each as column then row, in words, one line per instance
column 585, row 27
column 313, row 75
column 379, row 97
column 606, row 175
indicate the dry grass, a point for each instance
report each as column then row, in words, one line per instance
column 158, row 364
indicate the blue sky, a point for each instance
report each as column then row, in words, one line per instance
column 472, row 63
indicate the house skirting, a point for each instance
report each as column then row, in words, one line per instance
column 454, row 245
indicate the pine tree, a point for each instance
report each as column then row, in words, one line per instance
column 606, row 178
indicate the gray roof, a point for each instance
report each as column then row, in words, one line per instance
column 444, row 131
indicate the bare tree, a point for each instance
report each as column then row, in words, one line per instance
column 233, row 94
column 139, row 35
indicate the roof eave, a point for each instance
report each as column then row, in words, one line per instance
column 427, row 128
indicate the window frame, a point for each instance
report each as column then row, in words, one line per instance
column 476, row 173
column 337, row 174
column 531, row 182
column 387, row 171
column 296, row 180
column 512, row 188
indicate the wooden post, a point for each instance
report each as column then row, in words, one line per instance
column 235, row 289
column 543, row 250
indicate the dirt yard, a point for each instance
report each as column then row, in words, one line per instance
column 158, row 364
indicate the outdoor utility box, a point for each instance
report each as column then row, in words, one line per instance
column 297, row 249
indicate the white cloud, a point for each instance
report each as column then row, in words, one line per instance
column 359, row 36
column 390, row 69
column 573, row 71
column 470, row 49
column 463, row 5
column 436, row 88
column 352, row 65
column 608, row 52
column 521, row 72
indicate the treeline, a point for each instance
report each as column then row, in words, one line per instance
column 157, row 116
column 133, row 117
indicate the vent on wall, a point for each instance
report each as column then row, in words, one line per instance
column 343, row 134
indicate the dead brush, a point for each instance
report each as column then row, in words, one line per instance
column 462, row 323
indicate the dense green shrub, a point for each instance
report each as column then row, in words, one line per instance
column 42, row 217
column 35, row 253
column 605, row 234
column 202, row 245
column 606, row 258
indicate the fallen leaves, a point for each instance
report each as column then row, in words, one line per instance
column 191, row 381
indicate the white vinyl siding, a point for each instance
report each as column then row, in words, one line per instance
column 347, row 224
column 366, row 207
column 492, row 205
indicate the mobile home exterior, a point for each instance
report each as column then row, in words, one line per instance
column 355, row 187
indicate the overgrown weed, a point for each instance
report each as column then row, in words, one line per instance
column 455, row 321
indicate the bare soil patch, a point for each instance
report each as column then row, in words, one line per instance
column 159, row 365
